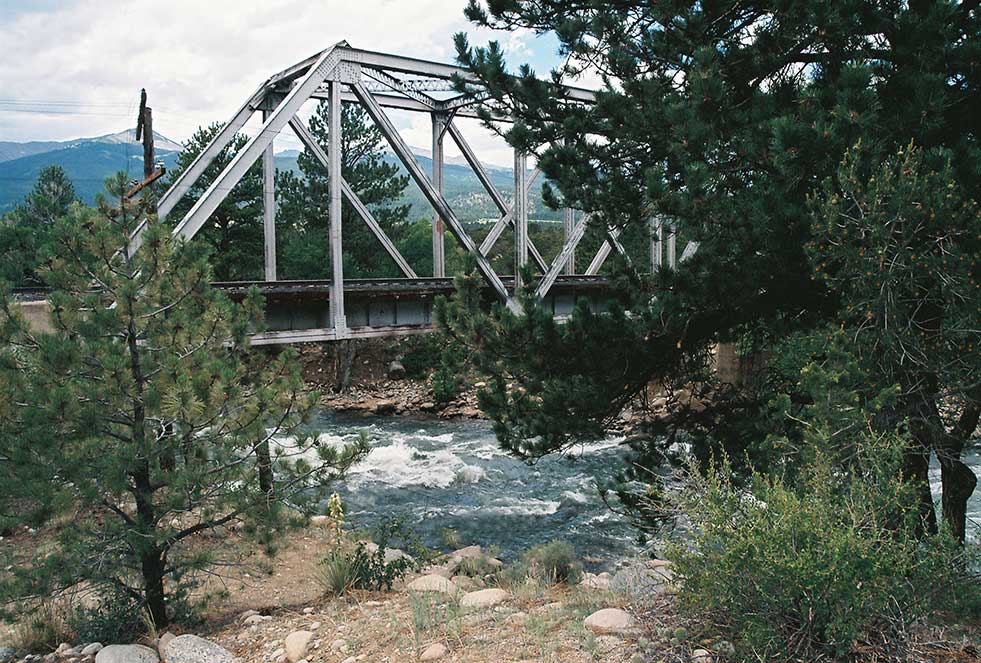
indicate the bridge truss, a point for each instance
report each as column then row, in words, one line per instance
column 380, row 81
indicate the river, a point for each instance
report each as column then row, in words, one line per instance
column 438, row 474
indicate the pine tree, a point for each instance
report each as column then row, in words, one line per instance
column 144, row 415
column 24, row 230
column 723, row 118
column 234, row 230
column 305, row 201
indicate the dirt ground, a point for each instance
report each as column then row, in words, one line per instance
column 536, row 623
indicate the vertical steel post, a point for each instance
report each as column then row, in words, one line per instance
column 269, row 209
column 657, row 243
column 520, row 215
column 568, row 226
column 439, row 258
column 335, row 181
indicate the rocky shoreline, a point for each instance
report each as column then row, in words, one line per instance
column 403, row 397
column 462, row 607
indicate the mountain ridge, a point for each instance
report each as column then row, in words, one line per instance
column 88, row 161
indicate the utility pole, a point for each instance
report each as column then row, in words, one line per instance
column 144, row 133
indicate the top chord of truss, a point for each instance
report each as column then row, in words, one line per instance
column 399, row 82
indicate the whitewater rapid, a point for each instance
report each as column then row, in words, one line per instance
column 437, row 474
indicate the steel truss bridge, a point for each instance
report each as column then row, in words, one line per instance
column 334, row 309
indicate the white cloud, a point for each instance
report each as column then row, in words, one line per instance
column 199, row 59
column 516, row 44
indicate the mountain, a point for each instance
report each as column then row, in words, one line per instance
column 10, row 150
column 457, row 161
column 87, row 164
column 466, row 195
column 89, row 161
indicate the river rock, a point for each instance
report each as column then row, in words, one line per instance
column 192, row 649
column 7, row 654
column 386, row 407
column 609, row 621
column 296, row 644
column 390, row 555
column 126, row 654
column 484, row 598
column 163, row 641
column 87, row 650
column 432, row 583
column 595, row 582
column 464, row 583
column 470, row 552
column 396, row 371
column 434, row 652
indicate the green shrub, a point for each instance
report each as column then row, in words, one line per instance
column 553, row 562
column 114, row 618
column 447, row 384
column 335, row 573
column 451, row 537
column 475, row 567
column 422, row 354
column 360, row 568
column 803, row 571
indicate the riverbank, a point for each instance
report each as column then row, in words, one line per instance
column 385, row 377
column 275, row 609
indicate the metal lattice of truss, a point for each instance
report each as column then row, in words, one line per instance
column 379, row 81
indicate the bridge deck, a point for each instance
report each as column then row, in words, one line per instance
column 300, row 311
column 389, row 287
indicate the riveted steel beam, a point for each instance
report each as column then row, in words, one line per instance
column 485, row 180
column 398, row 86
column 609, row 245
column 269, row 210
column 435, row 198
column 565, row 255
column 245, row 157
column 334, row 180
column 310, row 142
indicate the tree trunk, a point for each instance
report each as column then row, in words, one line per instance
column 265, row 471
column 346, row 351
column 918, row 471
column 144, row 544
column 152, row 566
column 958, row 485
column 957, row 478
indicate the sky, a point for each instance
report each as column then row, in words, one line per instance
column 74, row 68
